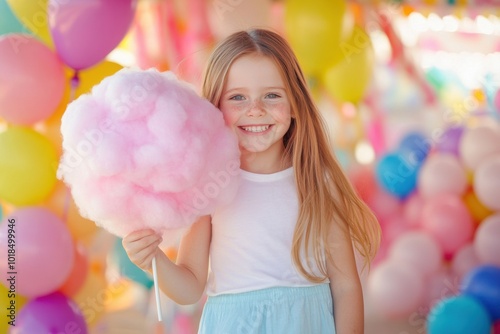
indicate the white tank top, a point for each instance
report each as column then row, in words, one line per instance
column 252, row 236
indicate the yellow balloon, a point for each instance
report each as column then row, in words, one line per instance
column 28, row 166
column 347, row 81
column 315, row 30
column 33, row 15
column 94, row 75
column 6, row 299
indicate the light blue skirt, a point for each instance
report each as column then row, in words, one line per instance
column 290, row 310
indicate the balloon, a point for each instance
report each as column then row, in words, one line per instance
column 53, row 313
column 415, row 147
column 483, row 284
column 487, row 182
column 34, row 17
column 464, row 260
column 440, row 285
column 477, row 209
column 442, row 174
column 44, row 250
column 81, row 229
column 419, row 250
column 129, row 269
column 397, row 175
column 449, row 142
column 6, row 298
column 394, row 227
column 396, row 288
column 1, row 212
column 348, row 80
column 78, row 273
column 85, row 33
column 486, row 240
column 447, row 219
column 315, row 30
column 363, row 180
column 413, row 208
column 28, row 175
column 8, row 21
column 459, row 315
column 384, row 205
column 94, row 295
column 478, row 144
column 32, row 80
column 94, row 75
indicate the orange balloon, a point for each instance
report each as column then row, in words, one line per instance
column 78, row 274
column 478, row 211
column 81, row 229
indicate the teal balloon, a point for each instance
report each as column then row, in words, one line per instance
column 127, row 268
column 1, row 213
column 9, row 22
column 459, row 315
column 397, row 174
column 343, row 158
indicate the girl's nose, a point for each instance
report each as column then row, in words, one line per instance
column 256, row 109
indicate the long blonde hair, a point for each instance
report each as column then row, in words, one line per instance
column 324, row 192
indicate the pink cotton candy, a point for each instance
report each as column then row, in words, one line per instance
column 143, row 150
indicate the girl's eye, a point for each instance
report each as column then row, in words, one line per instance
column 272, row 96
column 237, row 97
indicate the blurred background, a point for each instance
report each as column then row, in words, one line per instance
column 410, row 91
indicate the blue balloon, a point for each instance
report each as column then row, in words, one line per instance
column 127, row 268
column 459, row 315
column 9, row 22
column 483, row 284
column 415, row 147
column 397, row 175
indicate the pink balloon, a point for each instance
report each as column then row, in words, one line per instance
column 487, row 240
column 31, row 81
column 413, row 209
column 448, row 220
column 441, row 285
column 441, row 174
column 419, row 250
column 43, row 251
column 464, row 260
column 487, row 182
column 84, row 32
column 478, row 144
column 384, row 205
column 394, row 227
column 396, row 289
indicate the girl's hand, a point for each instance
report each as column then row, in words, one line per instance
column 141, row 247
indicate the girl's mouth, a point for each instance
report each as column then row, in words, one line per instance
column 257, row 129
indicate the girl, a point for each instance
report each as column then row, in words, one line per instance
column 281, row 254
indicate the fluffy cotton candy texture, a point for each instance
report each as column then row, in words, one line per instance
column 143, row 150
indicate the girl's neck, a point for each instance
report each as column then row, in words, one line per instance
column 266, row 162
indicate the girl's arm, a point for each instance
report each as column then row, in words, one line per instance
column 345, row 284
column 185, row 280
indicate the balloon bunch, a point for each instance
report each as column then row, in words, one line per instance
column 42, row 46
column 436, row 202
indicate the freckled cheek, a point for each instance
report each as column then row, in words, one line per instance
column 230, row 114
column 281, row 111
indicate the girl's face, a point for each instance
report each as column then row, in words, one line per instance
column 255, row 104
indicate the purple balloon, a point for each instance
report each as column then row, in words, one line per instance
column 54, row 313
column 84, row 31
column 450, row 140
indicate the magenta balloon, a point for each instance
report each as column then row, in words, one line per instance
column 31, row 79
column 53, row 313
column 85, row 31
column 44, row 254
